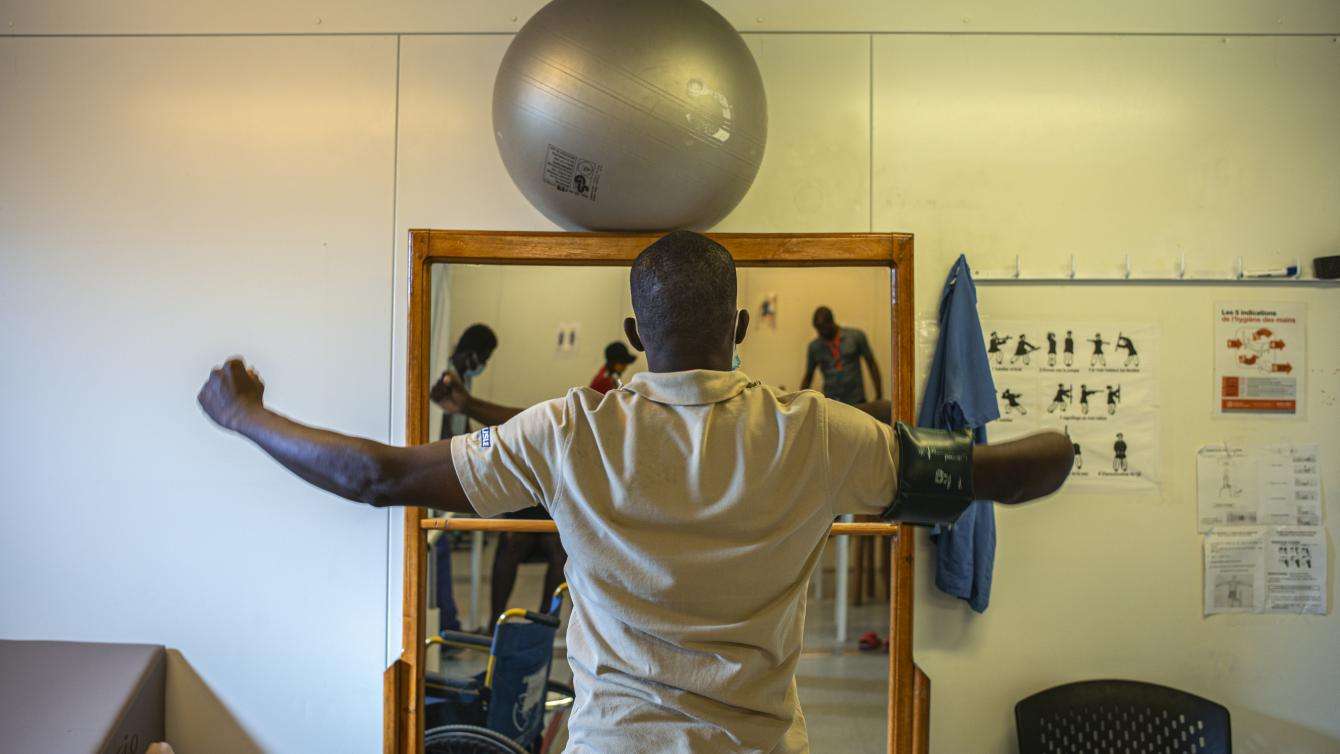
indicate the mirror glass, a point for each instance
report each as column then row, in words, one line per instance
column 551, row 326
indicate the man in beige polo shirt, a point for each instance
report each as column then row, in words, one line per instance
column 693, row 502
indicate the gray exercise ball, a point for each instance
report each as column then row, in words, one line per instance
column 630, row 114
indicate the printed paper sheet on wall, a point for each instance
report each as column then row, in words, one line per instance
column 1260, row 355
column 1270, row 484
column 1093, row 381
column 1265, row 569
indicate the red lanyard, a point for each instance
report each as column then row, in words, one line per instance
column 835, row 345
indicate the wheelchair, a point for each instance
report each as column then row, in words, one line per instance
column 512, row 707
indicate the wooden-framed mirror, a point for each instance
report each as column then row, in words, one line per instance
column 879, row 265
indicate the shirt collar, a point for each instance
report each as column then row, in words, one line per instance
column 695, row 387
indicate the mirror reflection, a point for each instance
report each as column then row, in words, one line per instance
column 504, row 337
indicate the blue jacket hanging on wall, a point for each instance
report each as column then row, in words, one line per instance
column 960, row 394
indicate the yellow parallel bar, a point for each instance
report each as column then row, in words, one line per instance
column 540, row 526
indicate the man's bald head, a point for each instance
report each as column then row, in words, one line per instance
column 683, row 289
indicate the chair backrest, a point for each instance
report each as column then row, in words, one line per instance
column 1128, row 717
column 523, row 650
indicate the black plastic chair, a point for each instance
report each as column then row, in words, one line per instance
column 1121, row 717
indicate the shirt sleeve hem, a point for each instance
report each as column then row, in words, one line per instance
column 465, row 473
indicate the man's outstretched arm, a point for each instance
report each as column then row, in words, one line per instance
column 354, row 468
column 1009, row 472
column 1021, row 470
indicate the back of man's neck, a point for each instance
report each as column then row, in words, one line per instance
column 686, row 362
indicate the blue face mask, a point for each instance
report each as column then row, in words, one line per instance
column 735, row 350
column 475, row 366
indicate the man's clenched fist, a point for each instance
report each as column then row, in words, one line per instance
column 232, row 391
column 449, row 393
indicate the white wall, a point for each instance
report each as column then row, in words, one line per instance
column 165, row 201
column 1102, row 146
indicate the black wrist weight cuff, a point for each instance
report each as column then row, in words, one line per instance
column 934, row 476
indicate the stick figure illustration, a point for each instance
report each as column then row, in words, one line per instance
column 1084, row 393
column 1226, row 487
column 1062, row 398
column 1022, row 349
column 1098, row 359
column 1119, row 454
column 993, row 349
column 1069, row 348
column 1051, row 348
column 1011, row 399
column 1079, row 458
column 1113, row 398
column 1132, row 356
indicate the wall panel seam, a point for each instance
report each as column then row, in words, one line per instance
column 756, row 32
column 390, row 351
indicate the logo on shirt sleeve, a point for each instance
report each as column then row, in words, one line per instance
column 485, row 437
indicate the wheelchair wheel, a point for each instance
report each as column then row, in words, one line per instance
column 468, row 739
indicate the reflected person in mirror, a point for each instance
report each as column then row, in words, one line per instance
column 472, row 353
column 617, row 360
column 837, row 353
column 514, row 548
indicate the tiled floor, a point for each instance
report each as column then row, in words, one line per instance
column 844, row 695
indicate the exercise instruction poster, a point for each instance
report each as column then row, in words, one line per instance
column 1260, row 358
column 1265, row 569
column 1094, row 381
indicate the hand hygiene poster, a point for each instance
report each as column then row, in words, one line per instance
column 1260, row 356
column 1094, row 381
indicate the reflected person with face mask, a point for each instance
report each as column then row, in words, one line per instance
column 468, row 359
column 473, row 350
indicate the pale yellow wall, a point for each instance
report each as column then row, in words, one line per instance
column 305, row 159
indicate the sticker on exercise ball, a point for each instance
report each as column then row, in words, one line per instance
column 713, row 116
column 571, row 174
